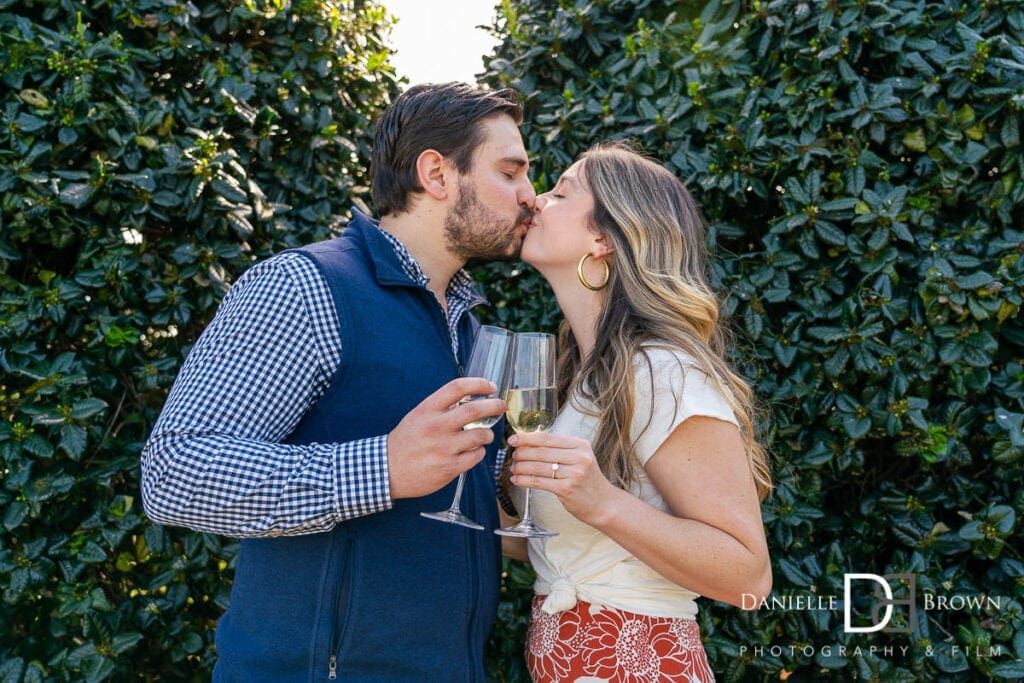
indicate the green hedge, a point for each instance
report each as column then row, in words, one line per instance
column 149, row 152
column 861, row 168
column 860, row 165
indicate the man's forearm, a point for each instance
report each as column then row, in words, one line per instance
column 244, row 488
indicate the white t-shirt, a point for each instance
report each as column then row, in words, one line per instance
column 583, row 563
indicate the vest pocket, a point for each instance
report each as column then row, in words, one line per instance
column 342, row 609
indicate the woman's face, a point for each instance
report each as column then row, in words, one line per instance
column 560, row 233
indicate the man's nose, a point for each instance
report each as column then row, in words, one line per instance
column 528, row 196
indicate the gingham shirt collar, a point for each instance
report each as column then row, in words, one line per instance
column 461, row 286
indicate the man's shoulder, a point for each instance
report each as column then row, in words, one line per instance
column 339, row 243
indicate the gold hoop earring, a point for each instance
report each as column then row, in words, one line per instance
column 583, row 278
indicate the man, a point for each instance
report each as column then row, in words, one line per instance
column 314, row 417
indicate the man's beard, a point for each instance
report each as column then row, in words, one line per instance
column 473, row 232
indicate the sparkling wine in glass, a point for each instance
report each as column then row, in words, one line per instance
column 488, row 359
column 532, row 400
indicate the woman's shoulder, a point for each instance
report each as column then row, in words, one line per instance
column 671, row 387
column 662, row 367
column 659, row 357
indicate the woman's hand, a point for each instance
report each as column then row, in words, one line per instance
column 565, row 466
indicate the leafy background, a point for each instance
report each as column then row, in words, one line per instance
column 149, row 152
column 860, row 166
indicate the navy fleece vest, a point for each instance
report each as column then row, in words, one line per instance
column 390, row 596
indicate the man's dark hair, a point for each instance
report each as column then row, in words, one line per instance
column 441, row 116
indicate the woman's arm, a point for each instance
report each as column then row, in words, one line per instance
column 713, row 543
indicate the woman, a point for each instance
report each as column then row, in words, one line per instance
column 651, row 474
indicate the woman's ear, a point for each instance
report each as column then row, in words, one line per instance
column 433, row 171
column 602, row 248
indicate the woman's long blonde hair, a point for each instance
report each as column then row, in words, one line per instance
column 657, row 296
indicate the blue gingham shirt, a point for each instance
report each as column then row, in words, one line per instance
column 215, row 462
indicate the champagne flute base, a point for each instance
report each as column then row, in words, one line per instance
column 452, row 517
column 526, row 530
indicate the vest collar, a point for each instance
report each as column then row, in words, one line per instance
column 386, row 263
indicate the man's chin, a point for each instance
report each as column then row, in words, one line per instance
column 510, row 253
column 493, row 258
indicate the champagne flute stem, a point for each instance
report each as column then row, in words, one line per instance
column 457, row 503
column 526, row 509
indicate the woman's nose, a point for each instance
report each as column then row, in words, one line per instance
column 542, row 199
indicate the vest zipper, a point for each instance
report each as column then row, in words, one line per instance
column 473, row 552
column 474, row 588
column 342, row 606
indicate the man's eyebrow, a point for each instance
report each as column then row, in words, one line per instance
column 515, row 161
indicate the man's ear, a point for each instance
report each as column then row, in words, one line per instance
column 434, row 171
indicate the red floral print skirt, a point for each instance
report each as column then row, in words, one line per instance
column 612, row 645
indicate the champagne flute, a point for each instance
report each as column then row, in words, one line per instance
column 488, row 359
column 532, row 399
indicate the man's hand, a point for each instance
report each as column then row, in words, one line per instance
column 428, row 447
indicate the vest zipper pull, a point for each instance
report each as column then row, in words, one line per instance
column 332, row 667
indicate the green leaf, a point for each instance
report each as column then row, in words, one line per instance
column 37, row 445
column 1009, row 132
column 829, row 335
column 91, row 553
column 1004, row 517
column 830, row 234
column 1008, row 669
column 86, row 408
column 972, row 532
column 856, row 427
column 974, row 280
column 73, row 440
column 948, row 661
column 98, row 669
column 77, row 194
column 915, row 140
column 124, row 642
column 16, row 513
column 28, row 123
column 167, row 199
column 794, row 573
column 192, row 643
column 143, row 181
column 830, row 659
column 844, row 204
column 975, row 152
column 229, row 190
column 11, row 669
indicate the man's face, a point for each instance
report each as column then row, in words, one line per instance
column 495, row 200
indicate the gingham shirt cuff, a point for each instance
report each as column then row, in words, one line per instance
column 363, row 487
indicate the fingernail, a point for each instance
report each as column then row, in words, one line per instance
column 513, row 440
column 494, row 387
